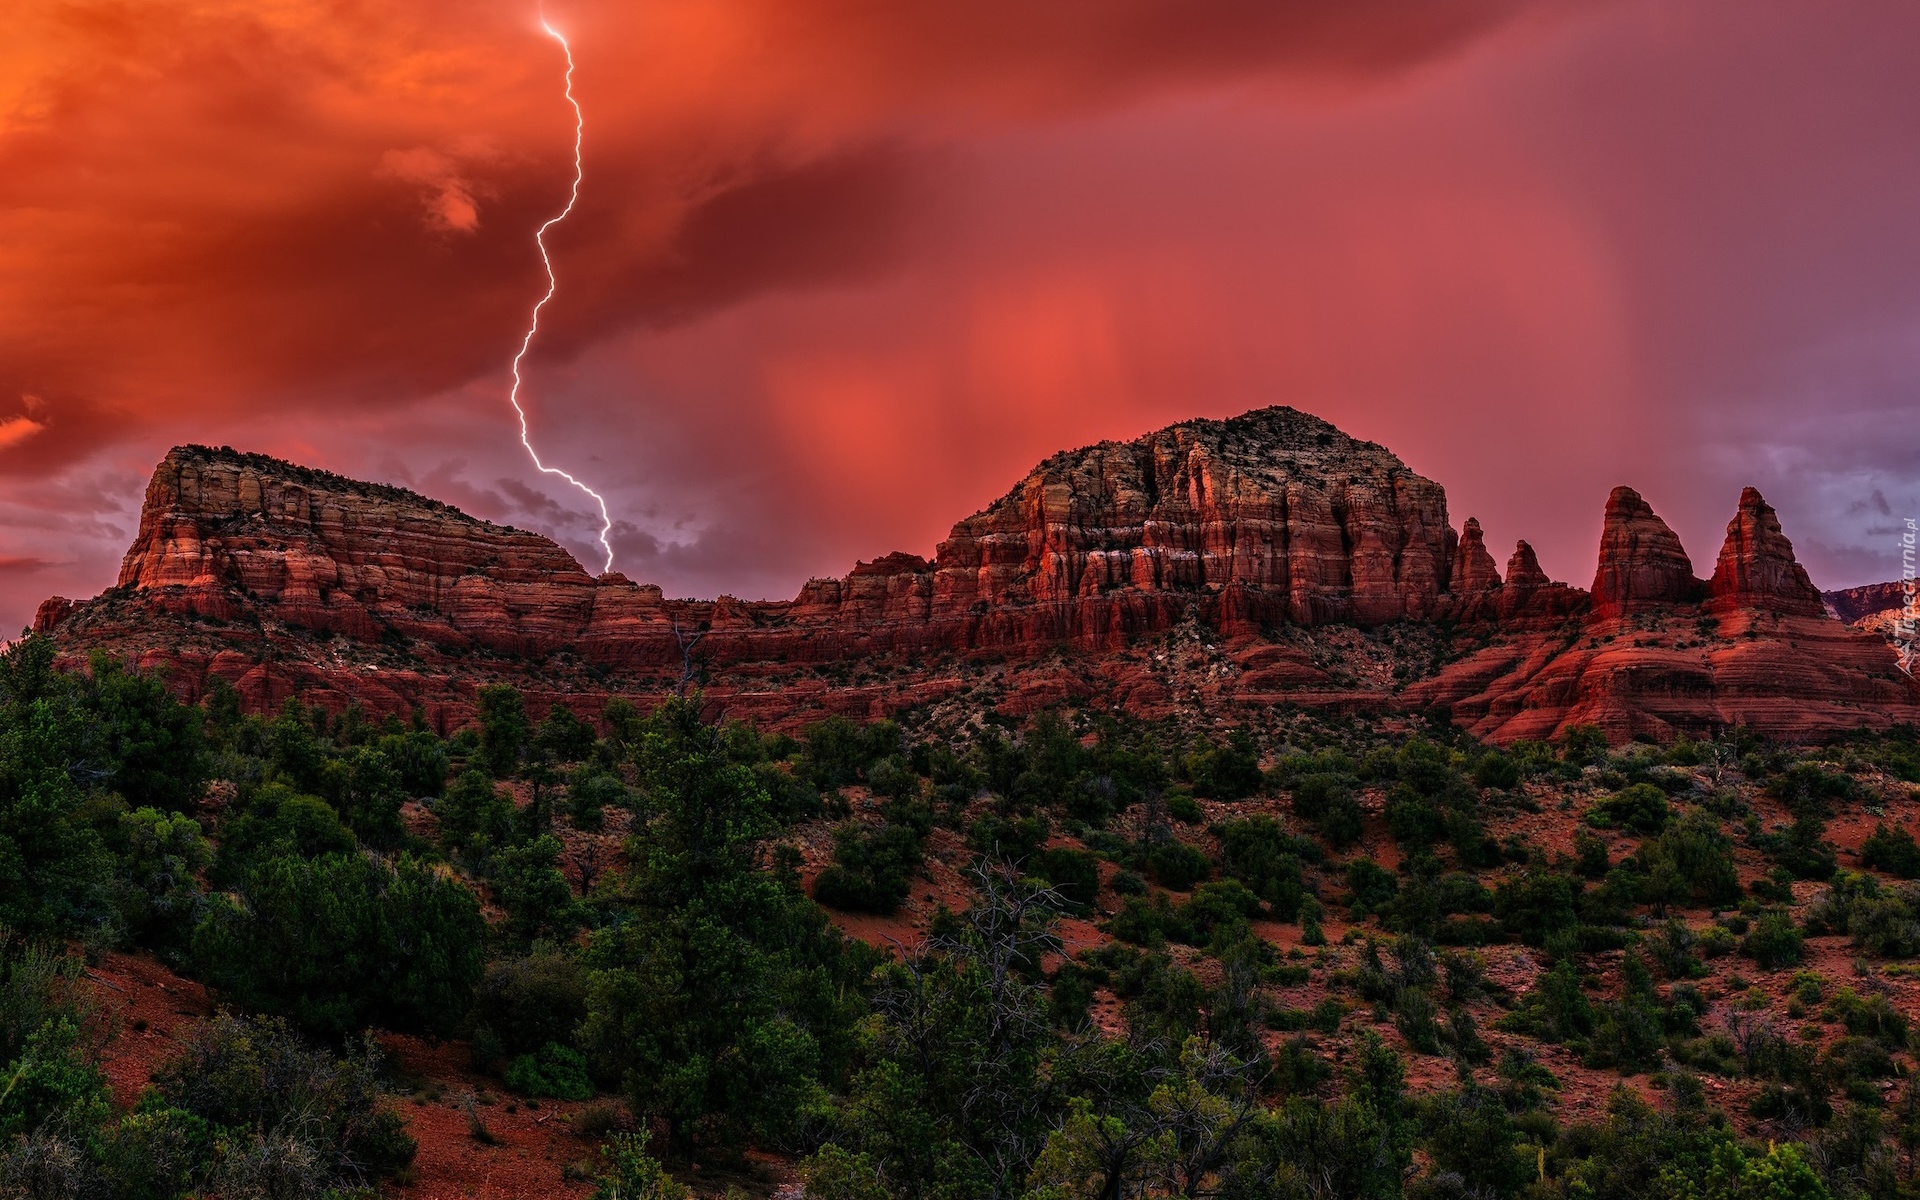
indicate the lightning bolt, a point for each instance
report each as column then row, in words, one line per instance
column 553, row 285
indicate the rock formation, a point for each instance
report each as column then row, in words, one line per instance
column 1858, row 603
column 1523, row 568
column 1267, row 546
column 1642, row 564
column 1473, row 569
column 1757, row 569
column 1269, row 518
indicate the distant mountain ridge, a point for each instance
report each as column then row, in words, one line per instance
column 1261, row 531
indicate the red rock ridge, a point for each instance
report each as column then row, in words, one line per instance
column 1273, row 517
column 283, row 579
column 1858, row 603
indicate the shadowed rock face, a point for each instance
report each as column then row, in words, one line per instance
column 1643, row 566
column 1258, row 530
column 1757, row 568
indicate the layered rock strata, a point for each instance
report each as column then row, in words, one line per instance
column 1260, row 529
column 1642, row 566
column 1757, row 569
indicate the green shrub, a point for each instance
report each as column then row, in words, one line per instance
column 1715, row 941
column 279, row 822
column 1689, row 862
column 1773, row 942
column 1555, row 1009
column 1495, row 770
column 522, row 1004
column 1881, row 922
column 1370, row 887
column 1535, row 906
column 633, row 1174
column 259, row 1082
column 1414, row 820
column 1325, row 802
column 873, row 868
column 557, row 1071
column 1229, row 772
column 1148, row 921
column 1175, row 864
column 537, row 898
column 160, row 856
column 1642, row 808
column 833, row 1173
column 1218, row 911
column 1893, row 851
column 1258, row 853
column 420, row 760
column 343, row 941
column 1802, row 849
column 505, row 731
column 1870, row 1016
column 474, row 815
column 1074, row 874
column 1810, row 790
column 591, row 792
column 51, row 1080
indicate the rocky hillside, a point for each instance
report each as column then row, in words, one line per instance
column 1272, row 541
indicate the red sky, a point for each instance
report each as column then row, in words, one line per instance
column 842, row 270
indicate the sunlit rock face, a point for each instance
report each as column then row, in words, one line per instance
column 1249, row 534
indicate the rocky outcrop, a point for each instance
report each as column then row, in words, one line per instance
column 1753, row 647
column 1789, row 677
column 1269, row 518
column 1272, row 541
column 1307, row 524
column 1523, row 568
column 232, row 536
column 1757, row 569
column 1473, row 569
column 1858, row 603
column 1642, row 565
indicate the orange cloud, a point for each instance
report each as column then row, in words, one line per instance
column 205, row 203
column 18, row 429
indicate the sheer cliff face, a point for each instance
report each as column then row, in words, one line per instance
column 227, row 535
column 1321, row 526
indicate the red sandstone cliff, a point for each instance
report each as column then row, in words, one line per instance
column 280, row 578
column 1272, row 517
column 1757, row 569
column 1642, row 564
column 1658, row 657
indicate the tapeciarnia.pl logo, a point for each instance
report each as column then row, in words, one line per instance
column 1906, row 630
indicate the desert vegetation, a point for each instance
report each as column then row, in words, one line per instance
column 1094, row 957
